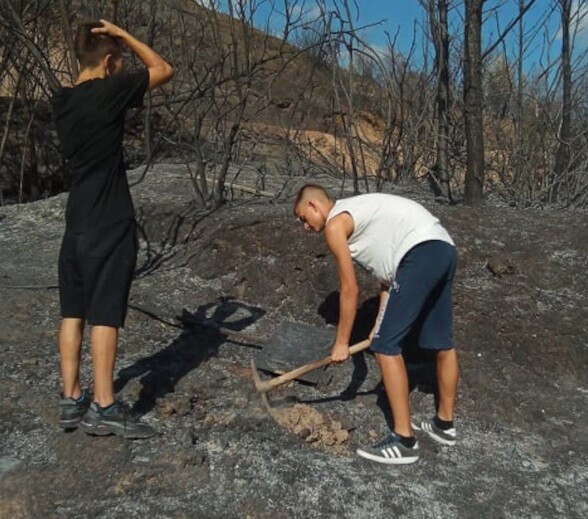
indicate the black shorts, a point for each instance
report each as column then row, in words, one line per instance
column 95, row 273
column 420, row 301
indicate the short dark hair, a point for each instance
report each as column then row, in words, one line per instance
column 310, row 190
column 306, row 188
column 90, row 48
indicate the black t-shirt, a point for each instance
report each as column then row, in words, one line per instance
column 89, row 118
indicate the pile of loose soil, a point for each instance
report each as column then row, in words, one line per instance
column 316, row 428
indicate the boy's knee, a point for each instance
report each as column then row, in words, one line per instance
column 72, row 324
column 449, row 353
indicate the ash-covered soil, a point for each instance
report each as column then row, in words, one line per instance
column 522, row 334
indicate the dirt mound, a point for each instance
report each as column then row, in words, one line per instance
column 315, row 428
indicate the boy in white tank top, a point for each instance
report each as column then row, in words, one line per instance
column 414, row 258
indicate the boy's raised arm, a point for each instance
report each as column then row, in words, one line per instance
column 160, row 71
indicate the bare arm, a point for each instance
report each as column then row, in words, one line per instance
column 160, row 71
column 336, row 233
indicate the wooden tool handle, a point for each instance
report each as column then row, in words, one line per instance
column 302, row 370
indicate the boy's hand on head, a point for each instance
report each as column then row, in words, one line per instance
column 339, row 352
column 109, row 29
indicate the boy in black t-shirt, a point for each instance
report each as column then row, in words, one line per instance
column 98, row 252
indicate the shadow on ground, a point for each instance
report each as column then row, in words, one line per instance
column 199, row 340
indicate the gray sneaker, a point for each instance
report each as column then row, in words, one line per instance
column 391, row 452
column 115, row 419
column 73, row 409
column 446, row 437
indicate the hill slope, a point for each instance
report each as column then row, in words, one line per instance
column 522, row 339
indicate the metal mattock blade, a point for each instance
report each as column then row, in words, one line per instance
column 257, row 382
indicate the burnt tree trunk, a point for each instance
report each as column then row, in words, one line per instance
column 562, row 155
column 440, row 34
column 473, row 103
column 519, row 146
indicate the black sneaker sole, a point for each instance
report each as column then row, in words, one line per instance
column 70, row 425
column 107, row 430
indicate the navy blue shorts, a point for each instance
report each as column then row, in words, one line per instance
column 420, row 303
column 95, row 273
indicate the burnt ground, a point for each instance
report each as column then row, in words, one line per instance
column 522, row 336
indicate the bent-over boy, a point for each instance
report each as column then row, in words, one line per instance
column 414, row 259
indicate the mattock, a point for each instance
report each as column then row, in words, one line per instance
column 263, row 386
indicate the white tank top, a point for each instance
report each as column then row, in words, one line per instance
column 386, row 228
